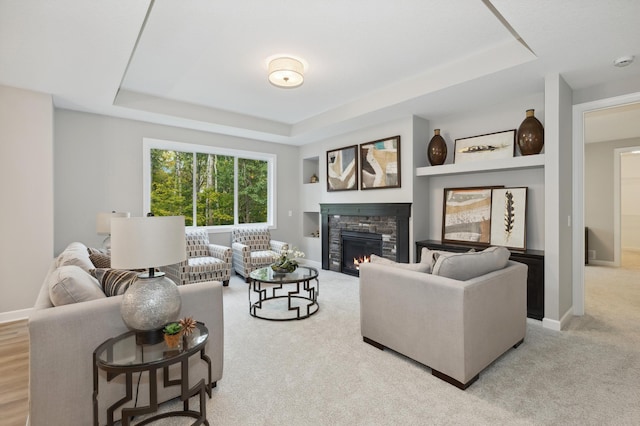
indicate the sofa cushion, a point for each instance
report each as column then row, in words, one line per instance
column 75, row 254
column 418, row 267
column 114, row 281
column 465, row 266
column 71, row 284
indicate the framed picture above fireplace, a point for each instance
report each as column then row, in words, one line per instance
column 466, row 215
column 380, row 164
column 342, row 169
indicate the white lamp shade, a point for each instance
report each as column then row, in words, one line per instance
column 147, row 242
column 286, row 72
column 103, row 221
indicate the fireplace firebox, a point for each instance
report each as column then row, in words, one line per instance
column 357, row 247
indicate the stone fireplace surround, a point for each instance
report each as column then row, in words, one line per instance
column 391, row 220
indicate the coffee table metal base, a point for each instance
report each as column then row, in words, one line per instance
column 300, row 298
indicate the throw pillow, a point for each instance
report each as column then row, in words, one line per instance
column 465, row 266
column 75, row 254
column 70, row 284
column 114, row 281
column 100, row 260
column 417, row 267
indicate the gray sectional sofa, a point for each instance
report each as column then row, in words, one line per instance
column 456, row 320
column 62, row 340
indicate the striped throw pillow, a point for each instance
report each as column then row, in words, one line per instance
column 114, row 281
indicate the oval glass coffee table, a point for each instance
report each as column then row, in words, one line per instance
column 279, row 296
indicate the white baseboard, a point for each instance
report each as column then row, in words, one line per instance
column 15, row 315
column 312, row 263
column 601, row 263
column 558, row 325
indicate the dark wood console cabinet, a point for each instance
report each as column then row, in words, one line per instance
column 534, row 259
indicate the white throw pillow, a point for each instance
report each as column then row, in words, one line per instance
column 75, row 254
column 70, row 284
column 418, row 267
column 464, row 266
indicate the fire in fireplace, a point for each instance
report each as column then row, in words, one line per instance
column 357, row 248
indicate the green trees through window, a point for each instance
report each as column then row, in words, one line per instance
column 207, row 187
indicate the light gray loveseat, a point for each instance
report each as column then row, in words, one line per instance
column 61, row 344
column 457, row 327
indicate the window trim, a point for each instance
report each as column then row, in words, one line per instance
column 272, row 212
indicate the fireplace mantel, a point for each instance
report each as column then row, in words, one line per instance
column 400, row 211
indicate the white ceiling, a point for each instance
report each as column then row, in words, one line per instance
column 202, row 64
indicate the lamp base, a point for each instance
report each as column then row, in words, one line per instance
column 150, row 303
column 149, row 337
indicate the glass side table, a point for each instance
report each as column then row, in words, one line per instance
column 122, row 355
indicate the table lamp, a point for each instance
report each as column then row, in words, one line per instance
column 103, row 225
column 148, row 242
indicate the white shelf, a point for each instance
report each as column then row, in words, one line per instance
column 523, row 162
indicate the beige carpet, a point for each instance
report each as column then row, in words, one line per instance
column 319, row 372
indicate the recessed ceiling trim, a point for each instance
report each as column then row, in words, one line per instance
column 506, row 24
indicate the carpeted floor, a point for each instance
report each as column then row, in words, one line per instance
column 319, row 372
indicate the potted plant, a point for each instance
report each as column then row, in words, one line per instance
column 172, row 334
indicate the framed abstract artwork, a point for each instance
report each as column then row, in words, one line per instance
column 342, row 169
column 466, row 215
column 509, row 217
column 485, row 147
column 380, row 164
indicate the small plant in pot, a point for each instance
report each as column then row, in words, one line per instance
column 172, row 334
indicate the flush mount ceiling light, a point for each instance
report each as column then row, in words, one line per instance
column 623, row 61
column 286, row 72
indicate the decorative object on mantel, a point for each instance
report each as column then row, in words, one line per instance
column 508, row 213
column 286, row 261
column 313, row 179
column 530, row 135
column 380, row 164
column 467, row 215
column 485, row 147
column 342, row 169
column 437, row 149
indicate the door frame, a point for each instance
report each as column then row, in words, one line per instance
column 579, row 111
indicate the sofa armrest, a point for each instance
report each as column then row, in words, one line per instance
column 278, row 246
column 62, row 340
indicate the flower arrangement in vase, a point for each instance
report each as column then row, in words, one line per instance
column 286, row 260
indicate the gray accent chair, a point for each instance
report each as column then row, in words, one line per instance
column 455, row 327
column 205, row 261
column 253, row 248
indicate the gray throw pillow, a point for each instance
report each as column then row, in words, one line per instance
column 70, row 284
column 465, row 266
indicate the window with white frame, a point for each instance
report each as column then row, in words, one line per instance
column 210, row 186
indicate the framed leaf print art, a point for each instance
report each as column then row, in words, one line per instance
column 342, row 169
column 508, row 213
column 380, row 164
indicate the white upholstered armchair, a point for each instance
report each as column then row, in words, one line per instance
column 205, row 261
column 253, row 248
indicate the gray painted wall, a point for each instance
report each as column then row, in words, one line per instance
column 598, row 197
column 98, row 167
column 26, row 147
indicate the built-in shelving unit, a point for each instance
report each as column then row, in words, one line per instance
column 522, row 162
column 311, row 208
